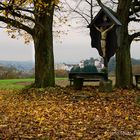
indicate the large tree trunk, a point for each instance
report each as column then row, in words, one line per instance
column 43, row 43
column 123, row 58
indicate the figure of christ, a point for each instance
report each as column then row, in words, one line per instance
column 104, row 31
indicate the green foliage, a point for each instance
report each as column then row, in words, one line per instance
column 87, row 68
column 75, row 69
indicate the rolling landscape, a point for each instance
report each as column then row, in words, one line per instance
column 19, row 65
column 93, row 99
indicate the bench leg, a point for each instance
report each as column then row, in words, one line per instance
column 137, row 84
column 71, row 83
column 78, row 83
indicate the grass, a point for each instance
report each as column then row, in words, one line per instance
column 13, row 83
column 17, row 83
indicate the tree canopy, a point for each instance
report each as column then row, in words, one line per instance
column 22, row 14
column 35, row 17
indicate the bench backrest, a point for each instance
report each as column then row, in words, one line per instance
column 85, row 75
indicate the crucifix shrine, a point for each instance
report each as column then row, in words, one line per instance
column 104, row 32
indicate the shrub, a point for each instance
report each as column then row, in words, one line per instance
column 87, row 68
column 75, row 69
column 61, row 73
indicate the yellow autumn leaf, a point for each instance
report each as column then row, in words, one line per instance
column 56, row 2
column 0, row 98
column 120, row 123
column 40, row 120
column 118, row 112
column 127, row 118
column 5, row 2
column 80, row 122
column 83, row 129
column 62, row 133
column 138, row 118
column 79, row 134
column 107, row 109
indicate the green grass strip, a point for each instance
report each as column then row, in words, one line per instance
column 18, row 83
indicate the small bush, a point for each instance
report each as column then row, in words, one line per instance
column 87, row 68
column 61, row 73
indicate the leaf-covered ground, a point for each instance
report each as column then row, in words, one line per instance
column 66, row 114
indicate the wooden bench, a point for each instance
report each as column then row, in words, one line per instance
column 77, row 78
column 137, row 78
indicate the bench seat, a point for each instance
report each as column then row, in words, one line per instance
column 86, row 77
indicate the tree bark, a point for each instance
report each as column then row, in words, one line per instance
column 43, row 44
column 124, row 77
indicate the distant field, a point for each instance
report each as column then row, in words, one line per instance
column 21, row 83
column 14, row 83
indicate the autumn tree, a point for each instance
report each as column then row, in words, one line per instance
column 127, row 11
column 35, row 17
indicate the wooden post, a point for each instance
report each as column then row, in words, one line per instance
column 106, row 67
column 105, row 86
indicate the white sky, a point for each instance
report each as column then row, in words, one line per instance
column 13, row 49
column 74, row 47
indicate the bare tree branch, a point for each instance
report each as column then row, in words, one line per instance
column 19, row 15
column 134, row 36
column 135, row 8
column 76, row 11
column 82, row 16
column 16, row 11
column 114, row 2
column 25, row 10
column 88, row 2
column 134, row 19
column 16, row 24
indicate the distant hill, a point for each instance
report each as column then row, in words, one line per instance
column 19, row 65
column 135, row 61
column 28, row 65
column 112, row 63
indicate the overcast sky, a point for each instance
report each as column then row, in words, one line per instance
column 74, row 47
